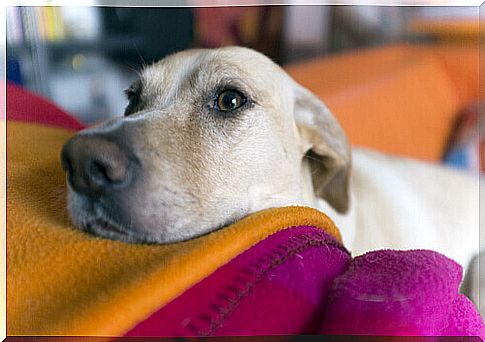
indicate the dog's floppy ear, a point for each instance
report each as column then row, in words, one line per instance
column 325, row 145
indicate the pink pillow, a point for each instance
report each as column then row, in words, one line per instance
column 25, row 106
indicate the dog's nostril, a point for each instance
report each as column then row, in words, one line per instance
column 97, row 172
column 111, row 171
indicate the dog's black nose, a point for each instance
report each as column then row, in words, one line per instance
column 95, row 165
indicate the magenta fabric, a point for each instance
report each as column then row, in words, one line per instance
column 301, row 281
column 390, row 292
column 276, row 287
column 25, row 106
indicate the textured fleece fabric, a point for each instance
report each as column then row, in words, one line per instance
column 301, row 281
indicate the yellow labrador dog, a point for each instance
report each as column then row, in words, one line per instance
column 208, row 137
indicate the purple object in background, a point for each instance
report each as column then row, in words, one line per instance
column 302, row 281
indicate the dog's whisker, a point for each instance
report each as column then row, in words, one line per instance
column 143, row 62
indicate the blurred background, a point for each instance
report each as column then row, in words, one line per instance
column 82, row 58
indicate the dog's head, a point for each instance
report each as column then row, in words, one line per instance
column 208, row 137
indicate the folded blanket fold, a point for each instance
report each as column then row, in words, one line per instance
column 276, row 287
column 300, row 281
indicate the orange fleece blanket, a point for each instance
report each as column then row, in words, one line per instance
column 64, row 282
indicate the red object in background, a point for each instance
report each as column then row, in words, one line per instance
column 219, row 26
column 256, row 27
column 22, row 105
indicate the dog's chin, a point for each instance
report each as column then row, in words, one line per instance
column 110, row 230
column 106, row 228
column 91, row 217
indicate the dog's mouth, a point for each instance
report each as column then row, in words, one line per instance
column 92, row 218
column 110, row 229
column 96, row 225
column 105, row 228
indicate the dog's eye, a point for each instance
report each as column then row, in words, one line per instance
column 133, row 102
column 133, row 94
column 230, row 100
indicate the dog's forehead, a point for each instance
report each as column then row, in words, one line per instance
column 235, row 61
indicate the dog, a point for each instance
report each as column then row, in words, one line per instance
column 208, row 137
column 211, row 136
